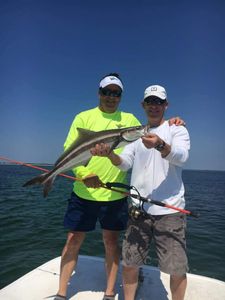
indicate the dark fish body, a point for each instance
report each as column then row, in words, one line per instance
column 79, row 151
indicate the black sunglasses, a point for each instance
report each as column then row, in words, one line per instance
column 154, row 101
column 110, row 93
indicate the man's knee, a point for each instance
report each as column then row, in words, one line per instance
column 178, row 282
column 111, row 239
column 130, row 274
column 74, row 240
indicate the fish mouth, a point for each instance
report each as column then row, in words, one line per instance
column 133, row 135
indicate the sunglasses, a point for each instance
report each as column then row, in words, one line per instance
column 154, row 101
column 110, row 93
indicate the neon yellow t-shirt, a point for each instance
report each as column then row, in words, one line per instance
column 96, row 120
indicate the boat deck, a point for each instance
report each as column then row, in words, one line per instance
column 88, row 282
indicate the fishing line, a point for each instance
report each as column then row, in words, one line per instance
column 110, row 186
column 38, row 168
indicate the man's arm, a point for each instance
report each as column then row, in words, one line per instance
column 180, row 146
column 177, row 153
column 154, row 141
column 104, row 150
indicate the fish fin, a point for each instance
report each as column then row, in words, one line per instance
column 36, row 180
column 86, row 162
column 115, row 144
column 44, row 179
column 83, row 134
column 48, row 186
column 86, row 132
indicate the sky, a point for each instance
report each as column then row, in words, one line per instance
column 54, row 53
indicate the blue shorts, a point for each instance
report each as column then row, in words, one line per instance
column 82, row 214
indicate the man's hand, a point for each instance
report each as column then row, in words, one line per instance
column 151, row 140
column 92, row 181
column 176, row 121
column 105, row 151
column 101, row 150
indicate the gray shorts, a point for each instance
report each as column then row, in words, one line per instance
column 168, row 233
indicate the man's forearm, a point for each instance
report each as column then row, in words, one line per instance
column 163, row 148
column 115, row 159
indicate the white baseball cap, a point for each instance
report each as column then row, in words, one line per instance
column 110, row 80
column 156, row 91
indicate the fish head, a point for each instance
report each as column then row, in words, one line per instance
column 131, row 134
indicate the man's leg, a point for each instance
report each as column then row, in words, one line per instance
column 69, row 259
column 171, row 250
column 112, row 258
column 178, row 286
column 135, row 252
column 130, row 282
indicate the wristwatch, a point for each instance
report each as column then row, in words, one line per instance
column 160, row 146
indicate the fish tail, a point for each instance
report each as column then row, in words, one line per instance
column 37, row 180
column 44, row 179
column 48, row 185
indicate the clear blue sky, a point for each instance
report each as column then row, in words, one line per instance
column 53, row 54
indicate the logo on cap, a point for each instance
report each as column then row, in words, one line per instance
column 154, row 88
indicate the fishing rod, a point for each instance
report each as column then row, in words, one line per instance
column 111, row 186
column 36, row 167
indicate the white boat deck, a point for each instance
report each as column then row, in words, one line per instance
column 88, row 282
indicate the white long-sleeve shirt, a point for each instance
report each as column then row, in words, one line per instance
column 155, row 177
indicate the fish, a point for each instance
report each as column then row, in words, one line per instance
column 79, row 151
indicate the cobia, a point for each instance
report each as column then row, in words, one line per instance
column 79, row 151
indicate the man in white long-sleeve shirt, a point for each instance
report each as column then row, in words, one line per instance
column 156, row 161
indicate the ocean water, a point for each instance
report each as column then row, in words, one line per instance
column 31, row 229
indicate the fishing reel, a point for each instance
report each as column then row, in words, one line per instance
column 136, row 212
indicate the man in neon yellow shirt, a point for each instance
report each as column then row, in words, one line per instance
column 87, row 204
column 90, row 203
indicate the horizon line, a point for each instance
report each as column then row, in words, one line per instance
column 52, row 164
